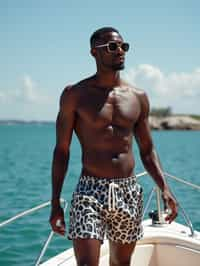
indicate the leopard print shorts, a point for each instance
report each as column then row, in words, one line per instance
column 111, row 206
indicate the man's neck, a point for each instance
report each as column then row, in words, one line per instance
column 108, row 79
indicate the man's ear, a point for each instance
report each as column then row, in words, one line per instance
column 93, row 52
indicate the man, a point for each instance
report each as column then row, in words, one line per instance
column 106, row 113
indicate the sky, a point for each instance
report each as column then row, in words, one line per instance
column 44, row 46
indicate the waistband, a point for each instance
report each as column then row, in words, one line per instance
column 117, row 180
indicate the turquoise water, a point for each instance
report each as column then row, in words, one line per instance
column 25, row 163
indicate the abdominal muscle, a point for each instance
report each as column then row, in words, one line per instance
column 120, row 165
column 108, row 155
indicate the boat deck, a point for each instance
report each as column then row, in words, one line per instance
column 162, row 245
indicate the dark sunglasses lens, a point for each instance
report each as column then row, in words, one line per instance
column 112, row 46
column 125, row 46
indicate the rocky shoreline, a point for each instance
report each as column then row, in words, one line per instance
column 174, row 122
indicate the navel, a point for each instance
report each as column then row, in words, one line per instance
column 110, row 129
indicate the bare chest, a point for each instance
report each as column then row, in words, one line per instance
column 118, row 107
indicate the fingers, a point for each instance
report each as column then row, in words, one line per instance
column 170, row 203
column 171, row 217
column 58, row 225
column 173, row 211
column 57, row 221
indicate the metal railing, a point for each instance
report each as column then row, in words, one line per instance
column 29, row 211
column 185, row 216
column 47, row 242
column 158, row 197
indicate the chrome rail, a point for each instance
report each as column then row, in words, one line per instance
column 148, row 201
column 181, row 180
column 185, row 216
column 47, row 242
column 29, row 211
column 158, row 197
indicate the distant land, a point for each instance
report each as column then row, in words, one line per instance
column 19, row 121
column 169, row 122
column 175, row 122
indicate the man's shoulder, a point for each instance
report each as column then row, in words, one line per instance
column 72, row 93
column 140, row 93
column 76, row 88
column 69, row 95
column 70, row 90
column 142, row 97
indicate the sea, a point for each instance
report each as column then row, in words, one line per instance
column 25, row 181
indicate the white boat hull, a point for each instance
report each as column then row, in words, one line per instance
column 166, row 245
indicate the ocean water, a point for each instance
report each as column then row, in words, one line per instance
column 25, row 180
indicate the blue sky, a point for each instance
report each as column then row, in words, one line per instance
column 45, row 46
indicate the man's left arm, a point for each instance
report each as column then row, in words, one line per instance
column 150, row 158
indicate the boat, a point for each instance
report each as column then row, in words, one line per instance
column 163, row 244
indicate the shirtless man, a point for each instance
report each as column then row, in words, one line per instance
column 106, row 113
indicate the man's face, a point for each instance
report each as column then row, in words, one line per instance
column 110, row 58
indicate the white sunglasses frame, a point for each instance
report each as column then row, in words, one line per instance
column 107, row 45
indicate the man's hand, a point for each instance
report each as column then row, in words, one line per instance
column 57, row 221
column 171, row 204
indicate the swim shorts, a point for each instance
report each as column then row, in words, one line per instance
column 111, row 206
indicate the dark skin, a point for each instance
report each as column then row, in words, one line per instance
column 106, row 113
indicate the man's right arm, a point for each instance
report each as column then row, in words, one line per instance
column 150, row 158
column 64, row 129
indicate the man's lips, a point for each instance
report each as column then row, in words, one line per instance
column 120, row 59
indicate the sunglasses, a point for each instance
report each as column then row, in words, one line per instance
column 113, row 46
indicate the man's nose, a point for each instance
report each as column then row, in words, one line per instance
column 120, row 50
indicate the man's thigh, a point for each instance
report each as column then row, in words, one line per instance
column 120, row 254
column 87, row 251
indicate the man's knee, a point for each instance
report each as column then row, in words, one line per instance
column 120, row 254
column 87, row 251
column 87, row 261
column 120, row 261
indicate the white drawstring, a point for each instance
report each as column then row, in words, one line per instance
column 111, row 196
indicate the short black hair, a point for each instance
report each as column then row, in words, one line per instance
column 97, row 35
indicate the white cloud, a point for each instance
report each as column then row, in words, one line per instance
column 29, row 93
column 26, row 92
column 179, row 90
column 27, row 101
